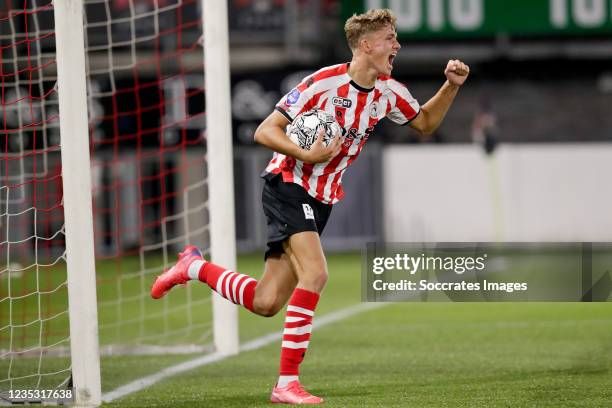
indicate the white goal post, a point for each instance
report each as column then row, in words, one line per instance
column 220, row 165
column 78, row 217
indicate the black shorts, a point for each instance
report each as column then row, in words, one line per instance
column 289, row 209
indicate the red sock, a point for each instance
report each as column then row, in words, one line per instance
column 235, row 287
column 298, row 325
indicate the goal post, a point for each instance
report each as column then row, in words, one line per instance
column 78, row 218
column 220, row 165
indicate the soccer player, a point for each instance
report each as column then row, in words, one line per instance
column 301, row 186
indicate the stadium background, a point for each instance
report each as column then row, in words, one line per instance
column 523, row 155
column 537, row 101
column 545, row 83
column 539, row 93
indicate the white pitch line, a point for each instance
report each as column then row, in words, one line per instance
column 144, row 382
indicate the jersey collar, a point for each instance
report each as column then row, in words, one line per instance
column 355, row 84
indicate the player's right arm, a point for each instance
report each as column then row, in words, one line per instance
column 271, row 133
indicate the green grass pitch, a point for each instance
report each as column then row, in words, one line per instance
column 401, row 355
column 409, row 355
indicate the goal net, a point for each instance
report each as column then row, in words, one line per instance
column 146, row 109
column 147, row 136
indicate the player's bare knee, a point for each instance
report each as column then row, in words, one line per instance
column 267, row 307
column 315, row 281
column 322, row 278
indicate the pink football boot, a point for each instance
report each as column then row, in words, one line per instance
column 177, row 275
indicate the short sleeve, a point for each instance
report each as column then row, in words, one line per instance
column 404, row 107
column 297, row 100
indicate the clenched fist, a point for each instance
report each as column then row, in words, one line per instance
column 456, row 72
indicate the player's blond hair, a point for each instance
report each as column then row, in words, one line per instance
column 360, row 24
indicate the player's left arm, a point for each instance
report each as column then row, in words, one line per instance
column 433, row 112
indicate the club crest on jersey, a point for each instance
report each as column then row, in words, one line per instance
column 293, row 96
column 342, row 102
column 374, row 110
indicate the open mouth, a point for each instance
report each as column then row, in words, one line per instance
column 391, row 58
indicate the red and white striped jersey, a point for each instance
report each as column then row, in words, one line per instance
column 356, row 109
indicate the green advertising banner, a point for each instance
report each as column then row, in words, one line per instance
column 456, row 19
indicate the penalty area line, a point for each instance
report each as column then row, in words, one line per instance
column 145, row 382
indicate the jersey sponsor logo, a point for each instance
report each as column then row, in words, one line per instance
column 308, row 213
column 293, row 96
column 353, row 136
column 342, row 102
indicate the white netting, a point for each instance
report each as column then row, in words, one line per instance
column 146, row 112
column 33, row 297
